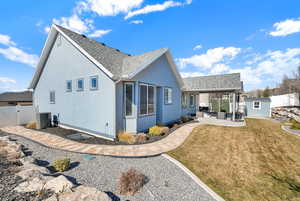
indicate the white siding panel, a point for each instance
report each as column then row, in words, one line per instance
column 92, row 110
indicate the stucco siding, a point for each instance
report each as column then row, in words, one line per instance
column 159, row 73
column 92, row 110
column 264, row 111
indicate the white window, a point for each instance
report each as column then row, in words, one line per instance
column 256, row 105
column 69, row 85
column 168, row 95
column 184, row 100
column 52, row 97
column 147, row 99
column 94, row 82
column 192, row 100
column 80, row 84
column 129, row 97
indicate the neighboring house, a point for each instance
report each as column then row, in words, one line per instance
column 103, row 91
column 16, row 98
column 258, row 107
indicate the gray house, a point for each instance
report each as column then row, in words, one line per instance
column 258, row 107
column 100, row 90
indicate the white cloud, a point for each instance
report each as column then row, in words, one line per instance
column 18, row 55
column 6, row 40
column 211, row 57
column 6, row 83
column 136, row 22
column 75, row 23
column 197, row 47
column 286, row 27
column 99, row 33
column 191, row 74
column 47, row 29
column 219, row 68
column 153, row 8
column 108, row 7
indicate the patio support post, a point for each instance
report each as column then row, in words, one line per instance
column 233, row 106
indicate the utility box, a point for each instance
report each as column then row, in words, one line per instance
column 43, row 120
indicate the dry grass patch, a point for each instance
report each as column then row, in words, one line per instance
column 256, row 162
column 131, row 181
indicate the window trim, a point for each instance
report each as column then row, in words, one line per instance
column 165, row 101
column 258, row 105
column 154, row 99
column 69, row 90
column 192, row 105
column 50, row 101
column 91, row 83
column 132, row 104
column 184, row 100
column 78, row 89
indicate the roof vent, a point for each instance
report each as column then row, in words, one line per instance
column 103, row 44
column 117, row 50
column 84, row 36
column 129, row 54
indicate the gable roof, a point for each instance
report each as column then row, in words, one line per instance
column 114, row 63
column 225, row 82
column 23, row 96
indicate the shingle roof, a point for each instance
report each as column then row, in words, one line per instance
column 225, row 82
column 25, row 96
column 116, row 62
column 263, row 99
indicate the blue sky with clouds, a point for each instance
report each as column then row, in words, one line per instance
column 259, row 39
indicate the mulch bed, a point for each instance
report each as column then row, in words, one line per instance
column 62, row 132
column 8, row 181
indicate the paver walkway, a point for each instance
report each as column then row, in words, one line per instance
column 166, row 144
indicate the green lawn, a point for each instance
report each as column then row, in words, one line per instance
column 253, row 163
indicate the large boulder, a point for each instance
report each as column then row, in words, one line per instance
column 59, row 184
column 81, row 193
column 35, row 184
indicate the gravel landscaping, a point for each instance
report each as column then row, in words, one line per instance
column 166, row 181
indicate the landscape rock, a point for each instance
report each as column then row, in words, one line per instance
column 286, row 113
column 36, row 184
column 81, row 193
column 31, row 166
column 27, row 159
column 59, row 184
column 27, row 174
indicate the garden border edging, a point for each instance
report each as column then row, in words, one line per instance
column 194, row 177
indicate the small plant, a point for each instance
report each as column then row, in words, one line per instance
column 128, row 138
column 131, row 181
column 141, row 138
column 295, row 125
column 62, row 164
column 184, row 118
column 31, row 125
column 158, row 130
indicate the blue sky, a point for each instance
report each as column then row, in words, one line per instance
column 259, row 39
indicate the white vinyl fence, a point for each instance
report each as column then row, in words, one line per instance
column 16, row 115
column 285, row 100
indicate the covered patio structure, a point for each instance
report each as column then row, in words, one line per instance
column 212, row 95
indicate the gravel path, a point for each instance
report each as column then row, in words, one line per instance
column 167, row 182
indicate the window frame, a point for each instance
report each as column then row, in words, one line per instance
column 50, row 97
column 77, row 85
column 259, row 105
column 67, row 89
column 154, row 99
column 184, row 102
column 192, row 105
column 166, row 97
column 91, row 82
column 132, row 104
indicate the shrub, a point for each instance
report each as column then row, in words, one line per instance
column 31, row 125
column 158, row 130
column 141, row 138
column 184, row 118
column 131, row 181
column 62, row 164
column 128, row 138
column 295, row 125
